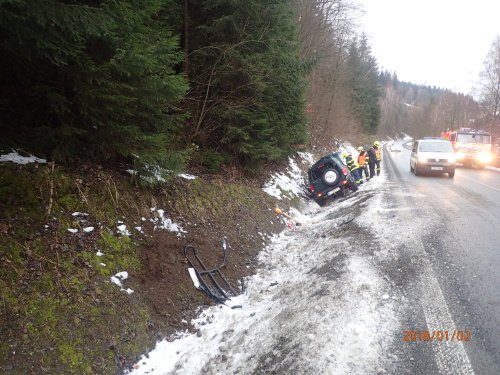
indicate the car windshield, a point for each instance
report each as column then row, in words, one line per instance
column 473, row 138
column 436, row 147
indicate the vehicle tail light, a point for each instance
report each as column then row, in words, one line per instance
column 319, row 195
column 344, row 182
column 345, row 171
column 311, row 188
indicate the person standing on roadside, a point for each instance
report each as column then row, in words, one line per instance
column 353, row 167
column 378, row 156
column 371, row 161
column 375, row 158
column 375, row 155
column 363, row 160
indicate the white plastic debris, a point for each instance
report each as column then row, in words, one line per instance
column 194, row 277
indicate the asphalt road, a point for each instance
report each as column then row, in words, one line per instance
column 451, row 265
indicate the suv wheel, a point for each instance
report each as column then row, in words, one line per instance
column 331, row 177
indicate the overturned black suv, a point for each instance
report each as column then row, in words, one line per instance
column 329, row 177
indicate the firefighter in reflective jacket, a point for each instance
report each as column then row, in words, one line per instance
column 363, row 159
column 375, row 156
column 353, row 167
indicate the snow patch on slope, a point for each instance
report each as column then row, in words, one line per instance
column 291, row 182
column 14, row 157
column 162, row 222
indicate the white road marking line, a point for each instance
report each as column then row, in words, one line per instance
column 493, row 168
column 480, row 183
column 451, row 357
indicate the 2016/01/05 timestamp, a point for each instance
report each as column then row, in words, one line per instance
column 455, row 335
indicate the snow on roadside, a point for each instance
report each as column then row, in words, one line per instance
column 406, row 137
column 306, row 157
column 14, row 157
column 313, row 292
column 349, row 148
column 348, row 321
column 291, row 182
column 318, row 305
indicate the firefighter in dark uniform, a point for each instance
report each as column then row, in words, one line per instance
column 353, row 167
column 363, row 159
column 375, row 157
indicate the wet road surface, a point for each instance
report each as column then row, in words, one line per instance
column 461, row 243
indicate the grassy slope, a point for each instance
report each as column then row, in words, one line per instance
column 58, row 311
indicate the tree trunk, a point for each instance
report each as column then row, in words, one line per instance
column 186, row 50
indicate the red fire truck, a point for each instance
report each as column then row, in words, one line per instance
column 472, row 147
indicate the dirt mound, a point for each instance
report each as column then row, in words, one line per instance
column 165, row 283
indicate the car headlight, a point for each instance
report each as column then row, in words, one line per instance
column 452, row 159
column 484, row 157
column 459, row 155
column 422, row 159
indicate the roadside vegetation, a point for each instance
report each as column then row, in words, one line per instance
column 227, row 90
column 60, row 310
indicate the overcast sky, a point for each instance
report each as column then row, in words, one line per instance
column 434, row 42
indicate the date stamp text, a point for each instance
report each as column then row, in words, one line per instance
column 455, row 335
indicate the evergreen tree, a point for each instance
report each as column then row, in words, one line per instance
column 364, row 85
column 247, row 79
column 86, row 79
